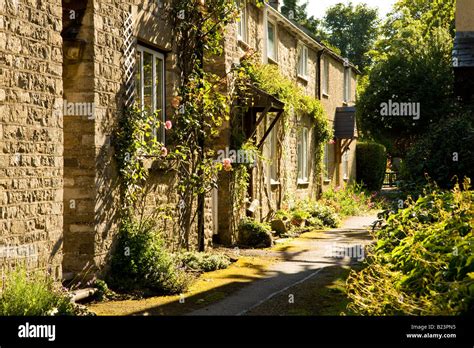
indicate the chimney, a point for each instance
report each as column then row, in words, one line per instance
column 276, row 4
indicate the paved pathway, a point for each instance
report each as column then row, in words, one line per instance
column 315, row 253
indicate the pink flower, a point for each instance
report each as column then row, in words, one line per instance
column 164, row 151
column 332, row 142
column 168, row 125
column 227, row 162
column 228, row 168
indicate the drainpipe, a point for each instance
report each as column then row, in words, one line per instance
column 265, row 34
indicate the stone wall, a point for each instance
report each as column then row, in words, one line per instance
column 31, row 139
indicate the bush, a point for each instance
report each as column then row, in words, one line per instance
column 325, row 214
column 141, row 261
column 371, row 159
column 352, row 200
column 33, row 295
column 423, row 262
column 433, row 155
column 203, row 262
column 254, row 234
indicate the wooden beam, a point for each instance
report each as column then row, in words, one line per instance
column 267, row 133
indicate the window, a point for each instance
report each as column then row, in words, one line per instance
column 347, row 85
column 273, row 149
column 325, row 77
column 272, row 41
column 326, row 163
column 242, row 22
column 345, row 164
column 303, row 62
column 303, row 168
column 150, row 86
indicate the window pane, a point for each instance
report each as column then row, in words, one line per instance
column 159, row 94
column 138, row 80
column 148, row 81
column 271, row 40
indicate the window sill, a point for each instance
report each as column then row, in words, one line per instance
column 243, row 43
column 303, row 78
column 272, row 60
column 303, row 182
column 274, row 183
column 327, row 181
column 325, row 95
column 345, row 103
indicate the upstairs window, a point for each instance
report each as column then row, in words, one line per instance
column 303, row 62
column 242, row 24
column 150, row 85
column 303, row 166
column 325, row 76
column 272, row 41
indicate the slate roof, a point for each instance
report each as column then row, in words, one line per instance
column 463, row 52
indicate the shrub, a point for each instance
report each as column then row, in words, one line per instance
column 203, row 262
column 141, row 261
column 422, row 263
column 325, row 214
column 33, row 295
column 352, row 200
column 371, row 159
column 434, row 154
column 254, row 234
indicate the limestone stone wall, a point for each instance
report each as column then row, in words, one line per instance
column 31, row 134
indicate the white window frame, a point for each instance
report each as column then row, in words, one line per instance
column 303, row 163
column 275, row 41
column 303, row 58
column 242, row 23
column 347, row 85
column 156, row 56
column 345, row 164
column 325, row 76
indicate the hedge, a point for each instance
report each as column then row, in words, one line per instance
column 371, row 164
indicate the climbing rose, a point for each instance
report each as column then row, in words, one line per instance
column 227, row 162
column 332, row 142
column 168, row 125
column 228, row 167
column 164, row 151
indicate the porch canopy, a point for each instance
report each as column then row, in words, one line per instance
column 262, row 103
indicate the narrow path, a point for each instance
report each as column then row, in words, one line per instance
column 305, row 259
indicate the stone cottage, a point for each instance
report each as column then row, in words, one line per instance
column 65, row 66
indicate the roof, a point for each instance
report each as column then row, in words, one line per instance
column 463, row 52
column 345, row 123
column 307, row 36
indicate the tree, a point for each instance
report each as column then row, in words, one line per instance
column 299, row 14
column 353, row 30
column 411, row 64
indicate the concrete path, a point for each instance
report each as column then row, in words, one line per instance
column 339, row 246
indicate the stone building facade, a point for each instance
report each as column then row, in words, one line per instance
column 62, row 90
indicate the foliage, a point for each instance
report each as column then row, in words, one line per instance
column 353, row 30
column 254, row 234
column 135, row 142
column 352, row 200
column 33, row 295
column 141, row 261
column 423, row 261
column 432, row 13
column 203, row 262
column 407, row 57
column 299, row 14
column 371, row 161
column 316, row 210
column 444, row 153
